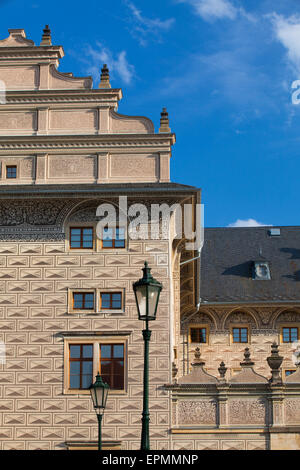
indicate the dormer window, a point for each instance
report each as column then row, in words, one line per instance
column 261, row 271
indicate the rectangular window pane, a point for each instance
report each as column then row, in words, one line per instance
column 75, row 351
column 117, row 301
column 235, row 334
column 74, row 381
column 105, row 300
column 118, row 350
column 75, row 367
column 87, row 350
column 105, row 351
column 106, row 366
column 286, row 335
column 294, row 334
column 89, row 301
column 107, row 234
column 112, row 365
column 120, row 244
column 87, row 367
column 244, row 335
column 87, row 381
column 78, row 301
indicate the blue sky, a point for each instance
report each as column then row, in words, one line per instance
column 224, row 70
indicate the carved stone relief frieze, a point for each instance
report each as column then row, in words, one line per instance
column 197, row 412
column 247, row 411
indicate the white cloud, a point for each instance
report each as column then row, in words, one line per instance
column 117, row 63
column 287, row 31
column 213, row 9
column 144, row 27
column 247, row 223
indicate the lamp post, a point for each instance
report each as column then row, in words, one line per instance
column 99, row 392
column 147, row 291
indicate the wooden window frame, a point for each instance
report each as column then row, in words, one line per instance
column 113, row 247
column 240, row 326
column 110, row 308
column 81, row 359
column 199, row 326
column 81, row 228
column 290, row 326
column 79, row 311
column 11, row 166
column 96, row 342
column 84, row 294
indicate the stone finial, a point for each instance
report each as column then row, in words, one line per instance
column 222, row 370
column 46, row 38
column 275, row 362
column 198, row 361
column 164, row 121
column 198, row 375
column 104, row 77
column 247, row 360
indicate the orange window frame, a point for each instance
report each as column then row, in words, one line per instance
column 290, row 333
column 240, row 328
column 111, row 300
column 84, row 294
column 81, row 247
column 113, row 239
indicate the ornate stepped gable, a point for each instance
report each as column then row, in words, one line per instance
column 78, row 134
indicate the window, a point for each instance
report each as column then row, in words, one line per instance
column 289, row 334
column 288, row 372
column 113, row 237
column 86, row 356
column 83, row 301
column 11, row 171
column 81, row 366
column 110, row 300
column 198, row 335
column 239, row 335
column 112, row 365
column 81, row 237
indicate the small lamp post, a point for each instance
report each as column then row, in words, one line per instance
column 147, row 291
column 99, row 392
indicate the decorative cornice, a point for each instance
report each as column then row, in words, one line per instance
column 90, row 141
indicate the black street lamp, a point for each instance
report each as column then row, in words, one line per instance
column 99, row 392
column 147, row 291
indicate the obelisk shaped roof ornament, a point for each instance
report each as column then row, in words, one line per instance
column 104, row 77
column 46, row 38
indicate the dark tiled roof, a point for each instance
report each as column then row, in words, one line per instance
column 227, row 259
column 79, row 189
